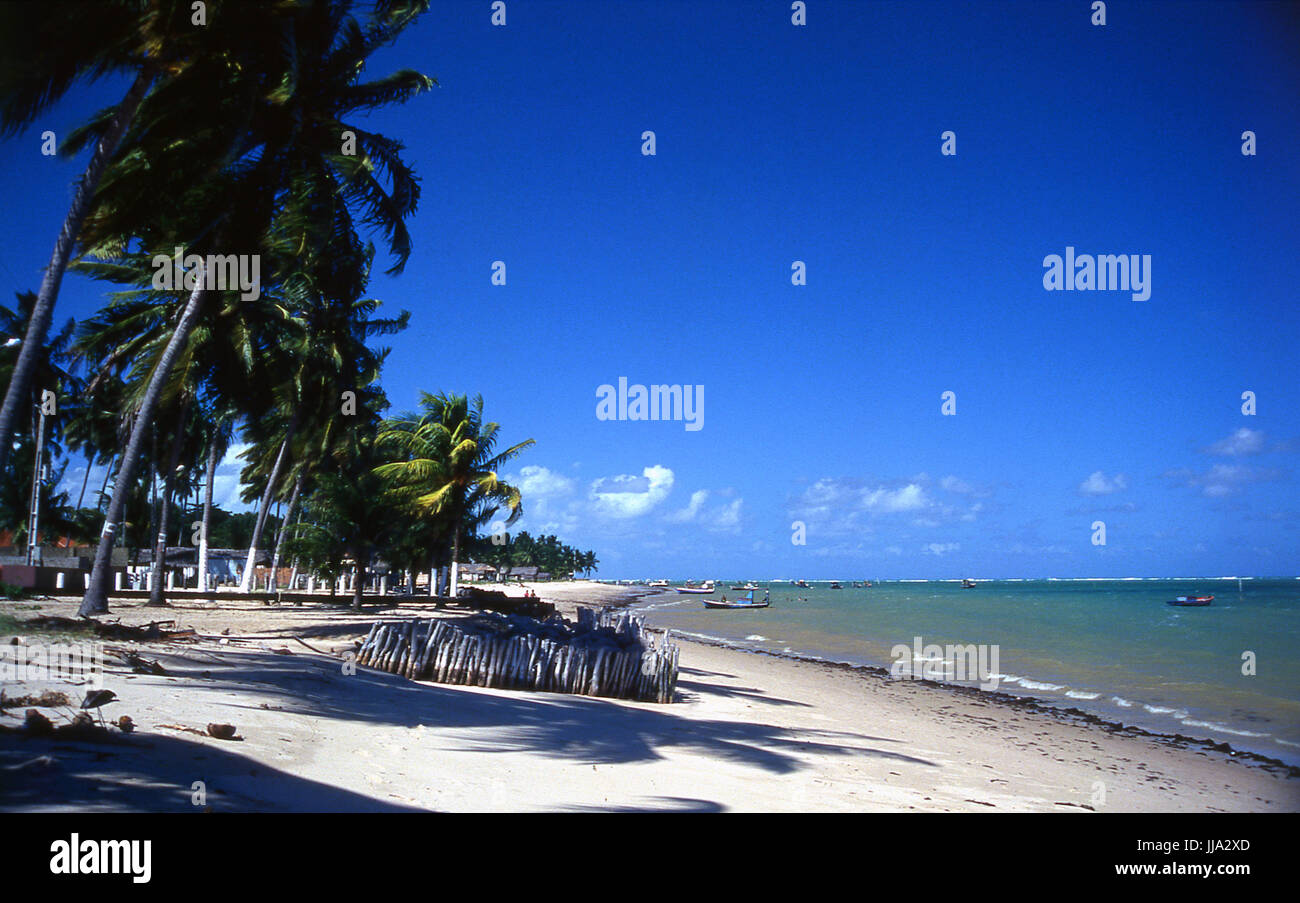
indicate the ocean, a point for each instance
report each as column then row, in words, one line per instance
column 1109, row 647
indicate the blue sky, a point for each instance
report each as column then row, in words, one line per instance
column 821, row 144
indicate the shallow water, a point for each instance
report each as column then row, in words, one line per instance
column 1109, row 647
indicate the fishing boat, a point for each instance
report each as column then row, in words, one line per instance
column 1191, row 601
column 663, row 584
column 803, row 583
column 968, row 584
column 745, row 601
column 704, row 590
column 835, row 584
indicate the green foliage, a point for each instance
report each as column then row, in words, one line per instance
column 522, row 550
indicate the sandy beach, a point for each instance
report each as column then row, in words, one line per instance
column 749, row 732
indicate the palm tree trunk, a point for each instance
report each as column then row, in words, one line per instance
column 246, row 581
column 156, row 597
column 360, row 579
column 90, row 460
column 284, row 530
column 207, row 513
column 455, row 566
column 103, row 487
column 96, row 599
column 43, row 311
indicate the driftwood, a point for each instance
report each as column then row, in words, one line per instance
column 605, row 653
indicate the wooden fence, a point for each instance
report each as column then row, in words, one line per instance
column 605, row 653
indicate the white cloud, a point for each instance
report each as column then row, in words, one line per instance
column 1222, row 479
column 728, row 517
column 1244, row 441
column 539, row 481
column 691, row 511
column 848, row 506
column 626, row 495
column 909, row 498
column 953, row 484
column 938, row 548
column 1099, row 484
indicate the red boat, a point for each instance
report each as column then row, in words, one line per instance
column 1191, row 601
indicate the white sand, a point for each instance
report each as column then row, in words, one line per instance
column 750, row 732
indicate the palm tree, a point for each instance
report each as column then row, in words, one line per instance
column 46, row 48
column 282, row 176
column 218, row 440
column 447, row 465
column 346, row 516
column 325, row 356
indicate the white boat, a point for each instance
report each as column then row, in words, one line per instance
column 658, row 583
column 704, row 589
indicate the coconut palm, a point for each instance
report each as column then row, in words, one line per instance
column 284, row 176
column 46, row 47
column 326, row 356
column 346, row 516
column 446, row 464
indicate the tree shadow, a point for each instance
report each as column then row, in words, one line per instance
column 156, row 773
column 702, row 689
column 578, row 728
column 667, row 804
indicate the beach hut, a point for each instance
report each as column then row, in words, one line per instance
column 522, row 573
column 477, row 572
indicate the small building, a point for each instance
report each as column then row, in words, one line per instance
column 521, row 573
column 225, row 566
column 477, row 572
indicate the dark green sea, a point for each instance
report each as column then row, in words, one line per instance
column 1109, row 647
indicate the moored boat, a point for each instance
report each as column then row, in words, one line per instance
column 745, row 601
column 704, row 589
column 1191, row 601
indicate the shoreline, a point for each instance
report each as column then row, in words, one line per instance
column 1035, row 704
column 765, row 732
column 1063, row 710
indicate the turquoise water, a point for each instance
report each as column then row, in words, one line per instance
column 1109, row 647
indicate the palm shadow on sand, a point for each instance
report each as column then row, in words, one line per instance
column 583, row 729
column 155, row 772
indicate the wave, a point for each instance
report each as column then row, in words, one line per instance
column 1039, row 685
column 1178, row 714
column 1223, row 728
